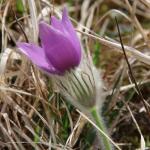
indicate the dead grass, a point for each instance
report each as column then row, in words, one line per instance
column 34, row 116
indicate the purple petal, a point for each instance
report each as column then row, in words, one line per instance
column 65, row 26
column 58, row 48
column 56, row 23
column 37, row 56
column 70, row 29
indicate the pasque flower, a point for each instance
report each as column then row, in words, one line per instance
column 60, row 52
column 60, row 48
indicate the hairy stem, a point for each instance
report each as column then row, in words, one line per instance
column 106, row 145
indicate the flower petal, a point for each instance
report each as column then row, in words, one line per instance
column 37, row 56
column 70, row 29
column 58, row 48
column 65, row 26
column 56, row 23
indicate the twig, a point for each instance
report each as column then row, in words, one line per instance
column 130, row 70
column 20, row 26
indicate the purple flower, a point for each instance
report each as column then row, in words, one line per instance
column 60, row 50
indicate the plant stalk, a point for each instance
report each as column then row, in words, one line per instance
column 106, row 145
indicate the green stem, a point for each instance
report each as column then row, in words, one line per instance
column 99, row 122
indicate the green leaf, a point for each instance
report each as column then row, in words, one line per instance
column 96, row 55
column 19, row 6
column 37, row 137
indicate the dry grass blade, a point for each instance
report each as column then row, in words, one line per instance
column 138, row 128
column 21, row 28
column 135, row 53
column 78, row 128
column 131, row 73
column 5, row 132
column 3, row 25
column 33, row 13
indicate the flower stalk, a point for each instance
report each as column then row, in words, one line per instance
column 105, row 143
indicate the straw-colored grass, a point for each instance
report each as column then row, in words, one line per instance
column 35, row 116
